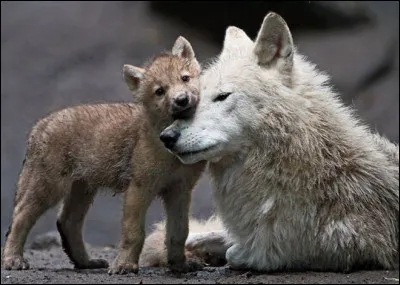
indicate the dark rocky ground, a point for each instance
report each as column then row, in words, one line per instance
column 57, row 54
column 50, row 265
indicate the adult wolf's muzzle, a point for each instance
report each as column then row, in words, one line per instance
column 169, row 137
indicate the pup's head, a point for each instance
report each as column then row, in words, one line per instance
column 246, row 83
column 168, row 86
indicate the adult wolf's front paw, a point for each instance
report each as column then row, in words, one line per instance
column 208, row 247
column 15, row 262
column 93, row 264
column 236, row 258
column 187, row 266
column 124, row 268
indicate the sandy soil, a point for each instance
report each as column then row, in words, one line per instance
column 52, row 266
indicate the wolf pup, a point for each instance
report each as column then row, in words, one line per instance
column 75, row 151
column 300, row 183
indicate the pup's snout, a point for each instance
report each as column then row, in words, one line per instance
column 169, row 137
column 182, row 100
column 184, row 105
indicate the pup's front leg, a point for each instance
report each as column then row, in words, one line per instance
column 177, row 205
column 136, row 203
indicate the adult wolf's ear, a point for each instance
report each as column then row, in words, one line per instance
column 236, row 40
column 132, row 76
column 183, row 48
column 274, row 43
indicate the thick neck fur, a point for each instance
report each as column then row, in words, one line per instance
column 306, row 136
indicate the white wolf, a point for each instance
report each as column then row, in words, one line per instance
column 299, row 182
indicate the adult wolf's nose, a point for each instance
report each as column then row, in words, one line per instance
column 169, row 138
column 182, row 100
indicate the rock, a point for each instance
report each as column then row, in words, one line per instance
column 300, row 15
column 46, row 241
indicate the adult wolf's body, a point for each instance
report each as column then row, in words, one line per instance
column 299, row 182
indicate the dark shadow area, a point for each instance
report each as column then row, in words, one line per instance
column 212, row 17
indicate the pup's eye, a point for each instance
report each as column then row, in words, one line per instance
column 185, row 78
column 160, row 91
column 222, row 96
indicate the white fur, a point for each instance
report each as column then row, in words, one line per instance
column 299, row 181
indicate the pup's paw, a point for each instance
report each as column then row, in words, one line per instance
column 15, row 262
column 187, row 266
column 124, row 268
column 93, row 264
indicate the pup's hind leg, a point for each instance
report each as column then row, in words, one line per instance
column 70, row 222
column 33, row 198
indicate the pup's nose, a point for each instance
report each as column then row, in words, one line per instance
column 182, row 100
column 169, row 138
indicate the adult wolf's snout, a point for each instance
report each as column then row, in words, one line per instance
column 169, row 137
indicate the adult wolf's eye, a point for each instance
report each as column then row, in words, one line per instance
column 222, row 96
column 185, row 78
column 159, row 91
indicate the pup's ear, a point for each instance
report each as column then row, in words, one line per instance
column 236, row 40
column 183, row 48
column 274, row 43
column 133, row 75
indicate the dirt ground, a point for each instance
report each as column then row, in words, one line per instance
column 52, row 266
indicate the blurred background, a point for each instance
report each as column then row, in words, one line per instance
column 58, row 54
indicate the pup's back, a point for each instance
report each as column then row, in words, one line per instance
column 87, row 141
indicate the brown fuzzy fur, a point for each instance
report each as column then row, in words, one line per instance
column 75, row 151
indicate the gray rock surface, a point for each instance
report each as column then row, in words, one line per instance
column 46, row 241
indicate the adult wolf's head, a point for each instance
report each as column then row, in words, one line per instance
column 168, row 86
column 246, row 82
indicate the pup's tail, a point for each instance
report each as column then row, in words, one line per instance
column 154, row 251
